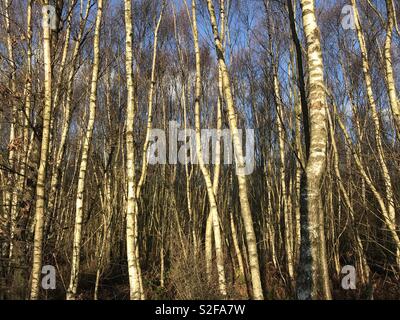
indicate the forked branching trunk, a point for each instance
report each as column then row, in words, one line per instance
column 240, row 165
column 76, row 249
column 211, row 192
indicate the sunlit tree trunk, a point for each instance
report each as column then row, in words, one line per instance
column 41, row 175
column 217, row 168
column 76, row 250
column 243, row 192
column 391, row 219
column 368, row 181
column 235, row 239
column 313, row 280
column 67, row 114
column 359, row 248
column 204, row 169
column 150, row 105
column 131, row 204
column 390, row 82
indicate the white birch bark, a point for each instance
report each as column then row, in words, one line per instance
column 391, row 218
column 204, row 169
column 131, row 204
column 313, row 281
column 243, row 196
column 75, row 265
column 41, row 175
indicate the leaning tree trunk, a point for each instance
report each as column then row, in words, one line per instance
column 217, row 168
column 390, row 82
column 391, row 218
column 242, row 181
column 313, row 281
column 143, row 173
column 76, row 250
column 359, row 248
column 206, row 173
column 67, row 116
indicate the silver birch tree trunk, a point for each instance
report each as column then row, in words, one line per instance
column 76, row 250
column 313, row 279
column 131, row 204
column 243, row 192
column 391, row 218
column 41, row 175
column 204, row 169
